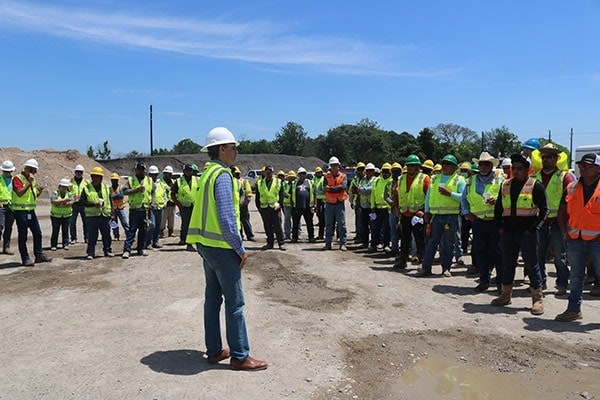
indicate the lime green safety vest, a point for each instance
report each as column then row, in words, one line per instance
column 318, row 184
column 63, row 211
column 186, row 191
column 160, row 194
column 412, row 200
column 76, row 188
column 268, row 197
column 204, row 224
column 554, row 191
column 365, row 198
column 287, row 188
column 5, row 193
column 440, row 204
column 311, row 195
column 378, row 193
column 140, row 200
column 28, row 201
column 477, row 204
column 525, row 206
column 93, row 197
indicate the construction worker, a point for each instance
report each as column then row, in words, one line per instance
column 412, row 188
column 98, row 210
column 119, row 201
column 530, row 150
column 303, row 203
column 336, row 195
column 354, row 198
column 168, row 218
column 25, row 193
column 427, row 167
column 506, row 166
column 520, row 210
column 442, row 209
column 269, row 197
column 392, row 194
column 555, row 181
column 477, row 205
column 157, row 204
column 364, row 188
column 381, row 206
column 139, row 191
column 579, row 223
column 77, row 185
column 287, row 181
column 437, row 169
column 61, row 209
column 182, row 194
column 6, row 214
column 245, row 195
column 318, row 182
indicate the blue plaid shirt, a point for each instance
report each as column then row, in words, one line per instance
column 226, row 212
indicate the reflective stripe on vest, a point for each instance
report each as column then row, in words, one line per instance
column 525, row 206
column 440, row 204
column 378, row 193
column 186, row 192
column 477, row 204
column 61, row 212
column 269, row 196
column 5, row 192
column 118, row 198
column 140, row 200
column 584, row 219
column 413, row 199
column 93, row 197
column 27, row 202
column 335, row 197
column 318, row 184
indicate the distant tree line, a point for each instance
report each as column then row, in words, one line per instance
column 364, row 141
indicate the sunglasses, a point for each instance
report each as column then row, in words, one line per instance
column 520, row 168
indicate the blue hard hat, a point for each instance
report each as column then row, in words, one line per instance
column 533, row 144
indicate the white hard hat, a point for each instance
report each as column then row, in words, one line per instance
column 301, row 170
column 153, row 169
column 506, row 162
column 370, row 166
column 64, row 182
column 8, row 166
column 168, row 168
column 218, row 136
column 79, row 167
column 334, row 160
column 32, row 163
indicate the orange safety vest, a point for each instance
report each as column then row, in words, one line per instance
column 335, row 197
column 584, row 219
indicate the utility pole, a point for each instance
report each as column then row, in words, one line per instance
column 151, row 138
column 571, row 149
column 549, row 136
column 482, row 143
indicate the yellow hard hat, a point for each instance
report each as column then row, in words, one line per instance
column 237, row 170
column 280, row 172
column 291, row 173
column 465, row 165
column 404, row 169
column 396, row 165
column 437, row 167
column 387, row 166
column 114, row 175
column 97, row 171
column 428, row 164
column 206, row 164
column 318, row 169
column 360, row 164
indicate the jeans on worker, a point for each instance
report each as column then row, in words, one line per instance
column 321, row 217
column 95, row 225
column 223, row 278
column 393, row 222
column 578, row 252
column 486, row 250
column 78, row 210
column 335, row 214
column 380, row 232
column 443, row 234
column 136, row 225
column 121, row 216
column 550, row 235
column 9, row 219
column 409, row 233
column 27, row 220
column 62, row 225
column 287, row 221
column 153, row 234
column 458, row 250
column 365, row 225
column 511, row 243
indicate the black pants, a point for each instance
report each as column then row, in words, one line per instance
column 408, row 232
column 246, row 225
column 365, row 225
column 321, row 216
column 272, row 224
column 297, row 213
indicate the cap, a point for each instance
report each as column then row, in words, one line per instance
column 291, row 174
column 218, row 136
column 465, row 165
column 140, row 165
column 386, row 166
column 532, row 144
column 187, row 167
column 31, row 163
column 590, row 158
column 237, row 170
column 427, row 164
column 194, row 167
column 360, row 164
column 281, row 172
column 8, row 166
column 153, row 169
column 519, row 158
column 475, row 167
column 397, row 165
column 64, row 182
column 437, row 167
column 413, row 159
column 168, row 169
column 79, row 167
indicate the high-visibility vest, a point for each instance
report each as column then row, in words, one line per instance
column 311, row 192
column 77, row 188
column 140, row 200
column 160, row 195
column 554, row 191
column 584, row 219
column 477, row 204
column 204, row 224
column 525, row 206
column 412, row 200
column 288, row 187
column 378, row 192
column 269, row 196
column 318, row 184
column 64, row 211
column 440, row 204
column 93, row 197
column 186, row 192
column 118, row 198
column 5, row 192
column 365, row 198
column 335, row 197
column 28, row 201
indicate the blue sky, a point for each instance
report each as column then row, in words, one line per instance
column 75, row 73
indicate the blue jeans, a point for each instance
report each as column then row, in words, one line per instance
column 136, row 224
column 223, row 278
column 443, row 234
column 9, row 219
column 60, row 224
column 578, row 252
column 78, row 210
column 335, row 214
column 511, row 242
column 28, row 220
column 94, row 225
column 380, row 227
column 121, row 216
column 153, row 234
column 287, row 221
column 486, row 250
column 550, row 235
column 393, row 221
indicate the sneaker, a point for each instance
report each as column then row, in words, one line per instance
column 189, row 247
column 66, row 247
column 312, row 240
column 569, row 316
column 28, row 263
column 157, row 246
column 125, row 254
column 109, row 254
column 447, row 273
column 73, row 241
column 53, row 248
column 343, row 247
column 399, row 264
column 460, row 262
column 143, row 252
column 89, row 257
column 561, row 291
column 281, row 247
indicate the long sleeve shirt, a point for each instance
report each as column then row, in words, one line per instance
column 226, row 212
column 480, row 182
column 460, row 188
column 512, row 222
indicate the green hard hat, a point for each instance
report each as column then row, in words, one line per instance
column 475, row 167
column 413, row 160
column 450, row 158
column 194, row 168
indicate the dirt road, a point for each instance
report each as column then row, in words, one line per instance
column 332, row 325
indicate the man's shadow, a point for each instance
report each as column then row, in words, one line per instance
column 180, row 362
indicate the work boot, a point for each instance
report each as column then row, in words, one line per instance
column 537, row 300
column 170, row 232
column 505, row 296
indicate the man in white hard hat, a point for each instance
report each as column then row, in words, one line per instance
column 303, row 206
column 78, row 182
column 168, row 218
column 335, row 187
column 61, row 209
column 215, row 231
column 6, row 215
column 157, row 204
column 24, row 201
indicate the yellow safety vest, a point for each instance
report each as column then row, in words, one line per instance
column 525, row 206
column 5, row 193
column 160, row 194
column 287, row 188
column 28, row 201
column 318, row 184
column 444, row 205
column 77, row 188
column 477, row 204
column 93, row 197
column 186, row 191
column 268, row 197
column 204, row 224
column 140, row 200
column 64, row 211
column 554, row 191
column 413, row 199
column 377, row 194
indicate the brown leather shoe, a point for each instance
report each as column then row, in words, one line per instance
column 249, row 364
column 223, row 355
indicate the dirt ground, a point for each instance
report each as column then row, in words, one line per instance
column 332, row 325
